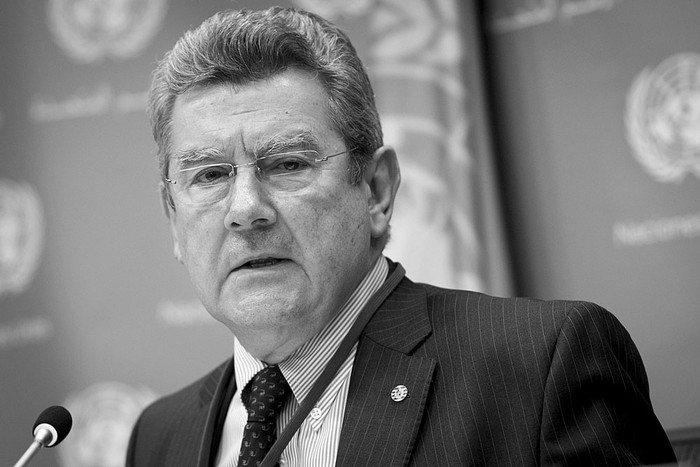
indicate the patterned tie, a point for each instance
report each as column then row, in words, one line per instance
column 264, row 397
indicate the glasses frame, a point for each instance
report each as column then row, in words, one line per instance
column 235, row 167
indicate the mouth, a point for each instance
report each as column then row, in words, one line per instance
column 261, row 263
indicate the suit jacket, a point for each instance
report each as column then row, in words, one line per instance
column 491, row 381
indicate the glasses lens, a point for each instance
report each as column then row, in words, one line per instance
column 204, row 184
column 289, row 171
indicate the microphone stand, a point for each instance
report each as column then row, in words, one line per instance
column 42, row 437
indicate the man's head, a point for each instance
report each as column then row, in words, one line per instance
column 279, row 191
column 243, row 46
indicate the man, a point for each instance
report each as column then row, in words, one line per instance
column 279, row 192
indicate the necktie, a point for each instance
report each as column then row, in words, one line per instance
column 263, row 397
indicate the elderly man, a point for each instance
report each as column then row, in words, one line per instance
column 279, row 193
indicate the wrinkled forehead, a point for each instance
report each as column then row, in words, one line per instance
column 288, row 111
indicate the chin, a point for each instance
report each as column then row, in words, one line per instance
column 265, row 312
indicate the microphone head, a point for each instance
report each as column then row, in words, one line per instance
column 55, row 419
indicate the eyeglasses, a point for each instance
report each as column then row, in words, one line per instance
column 281, row 172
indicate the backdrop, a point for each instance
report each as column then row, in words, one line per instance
column 595, row 107
column 95, row 312
column 598, row 132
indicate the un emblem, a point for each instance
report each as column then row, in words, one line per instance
column 89, row 31
column 663, row 118
column 103, row 417
column 21, row 235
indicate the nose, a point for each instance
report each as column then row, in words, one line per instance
column 249, row 205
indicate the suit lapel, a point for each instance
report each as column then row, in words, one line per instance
column 378, row 430
column 215, row 395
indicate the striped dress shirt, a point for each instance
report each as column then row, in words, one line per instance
column 316, row 442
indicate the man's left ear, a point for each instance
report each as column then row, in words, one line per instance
column 383, row 178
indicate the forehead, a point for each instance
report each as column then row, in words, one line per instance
column 243, row 118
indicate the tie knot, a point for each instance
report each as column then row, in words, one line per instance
column 266, row 394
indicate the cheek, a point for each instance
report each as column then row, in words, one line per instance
column 342, row 224
column 196, row 241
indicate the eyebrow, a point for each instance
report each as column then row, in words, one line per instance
column 287, row 142
column 194, row 156
column 276, row 144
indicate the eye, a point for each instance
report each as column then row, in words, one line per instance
column 290, row 165
column 209, row 174
column 287, row 163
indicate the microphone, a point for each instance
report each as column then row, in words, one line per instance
column 50, row 428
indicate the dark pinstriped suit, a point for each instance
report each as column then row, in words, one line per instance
column 491, row 382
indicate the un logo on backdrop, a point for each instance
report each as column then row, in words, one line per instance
column 663, row 118
column 103, row 417
column 91, row 30
column 21, row 235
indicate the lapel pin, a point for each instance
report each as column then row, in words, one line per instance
column 399, row 393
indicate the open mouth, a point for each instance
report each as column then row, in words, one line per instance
column 261, row 263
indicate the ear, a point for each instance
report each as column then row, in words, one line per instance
column 383, row 178
column 169, row 211
column 176, row 242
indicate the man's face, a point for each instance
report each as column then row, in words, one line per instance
column 260, row 260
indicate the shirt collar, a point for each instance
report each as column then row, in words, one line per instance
column 303, row 367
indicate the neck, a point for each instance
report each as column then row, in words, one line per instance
column 270, row 348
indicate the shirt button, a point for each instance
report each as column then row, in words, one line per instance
column 316, row 413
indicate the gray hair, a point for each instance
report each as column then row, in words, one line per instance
column 242, row 46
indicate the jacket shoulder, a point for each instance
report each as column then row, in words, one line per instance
column 517, row 308
column 505, row 324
